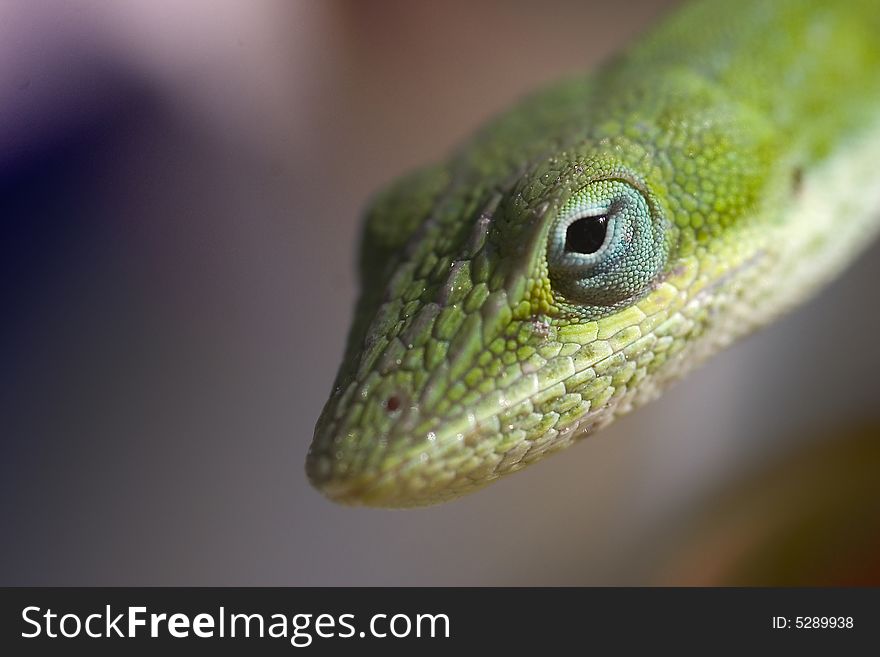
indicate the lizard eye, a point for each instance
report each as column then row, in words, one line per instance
column 605, row 247
column 586, row 235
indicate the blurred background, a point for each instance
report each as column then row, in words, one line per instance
column 180, row 190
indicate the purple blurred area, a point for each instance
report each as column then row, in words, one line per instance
column 180, row 193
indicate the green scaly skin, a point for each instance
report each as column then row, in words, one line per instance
column 732, row 154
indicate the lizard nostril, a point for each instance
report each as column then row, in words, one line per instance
column 392, row 403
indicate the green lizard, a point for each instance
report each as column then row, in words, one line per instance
column 596, row 242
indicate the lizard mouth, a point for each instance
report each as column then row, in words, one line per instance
column 396, row 468
column 390, row 446
column 460, row 455
column 406, row 483
column 388, row 482
column 345, row 491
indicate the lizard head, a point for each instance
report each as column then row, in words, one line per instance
column 509, row 309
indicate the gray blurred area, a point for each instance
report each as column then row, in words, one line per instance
column 180, row 193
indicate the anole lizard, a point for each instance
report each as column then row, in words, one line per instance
column 599, row 240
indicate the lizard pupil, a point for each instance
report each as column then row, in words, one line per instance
column 586, row 235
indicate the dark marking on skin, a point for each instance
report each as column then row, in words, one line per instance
column 797, row 181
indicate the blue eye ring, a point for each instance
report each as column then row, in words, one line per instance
column 558, row 252
column 631, row 255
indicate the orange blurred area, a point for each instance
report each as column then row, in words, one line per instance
column 809, row 518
